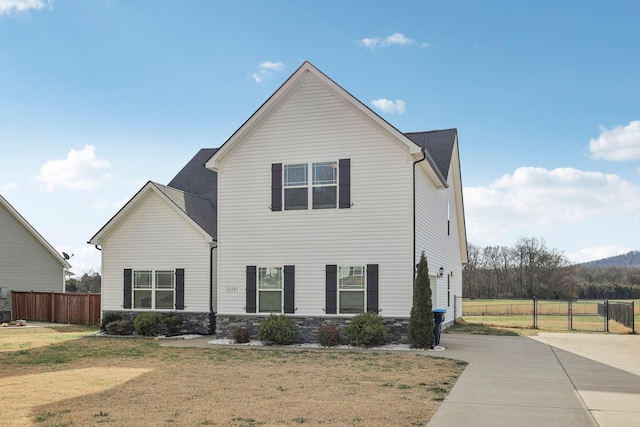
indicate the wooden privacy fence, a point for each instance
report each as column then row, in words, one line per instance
column 78, row 309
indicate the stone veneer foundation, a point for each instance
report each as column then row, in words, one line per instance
column 193, row 323
column 308, row 326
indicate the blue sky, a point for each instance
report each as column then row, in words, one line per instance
column 98, row 97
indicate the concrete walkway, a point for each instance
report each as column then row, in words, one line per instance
column 552, row 379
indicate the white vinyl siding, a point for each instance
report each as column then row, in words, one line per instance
column 434, row 207
column 154, row 237
column 25, row 264
column 313, row 125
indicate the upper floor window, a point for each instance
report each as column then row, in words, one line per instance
column 320, row 185
column 321, row 189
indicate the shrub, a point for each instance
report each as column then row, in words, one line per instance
column 119, row 327
column 278, row 330
column 240, row 334
column 147, row 324
column 328, row 336
column 173, row 322
column 421, row 323
column 366, row 330
column 107, row 318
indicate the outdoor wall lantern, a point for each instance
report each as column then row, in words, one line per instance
column 441, row 271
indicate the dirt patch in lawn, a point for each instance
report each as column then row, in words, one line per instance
column 137, row 382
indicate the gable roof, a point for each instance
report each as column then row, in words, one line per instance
column 197, row 208
column 289, row 86
column 33, row 231
column 439, row 144
column 192, row 192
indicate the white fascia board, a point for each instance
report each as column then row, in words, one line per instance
column 457, row 188
column 293, row 82
column 133, row 203
column 97, row 238
column 183, row 214
column 34, row 232
column 429, row 168
column 281, row 94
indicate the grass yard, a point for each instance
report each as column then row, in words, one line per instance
column 63, row 377
column 552, row 315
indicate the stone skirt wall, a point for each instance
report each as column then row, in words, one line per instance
column 308, row 326
column 192, row 323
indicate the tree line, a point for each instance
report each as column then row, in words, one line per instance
column 89, row 282
column 530, row 268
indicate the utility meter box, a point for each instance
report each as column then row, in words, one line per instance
column 4, row 293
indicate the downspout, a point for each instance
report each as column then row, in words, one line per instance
column 212, row 315
column 424, row 157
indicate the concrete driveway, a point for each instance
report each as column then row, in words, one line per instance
column 554, row 379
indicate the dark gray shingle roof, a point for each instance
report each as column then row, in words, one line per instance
column 439, row 145
column 197, row 208
column 195, row 178
column 195, row 190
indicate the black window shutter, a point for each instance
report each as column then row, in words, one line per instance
column 331, row 289
column 289, row 288
column 372, row 287
column 128, row 283
column 276, row 187
column 180, row 289
column 344, row 195
column 251, row 289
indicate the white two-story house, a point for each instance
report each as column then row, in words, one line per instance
column 321, row 210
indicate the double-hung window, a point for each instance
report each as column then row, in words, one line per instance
column 323, row 185
column 142, row 289
column 270, row 289
column 303, row 186
column 351, row 289
column 164, row 289
column 296, row 186
column 153, row 290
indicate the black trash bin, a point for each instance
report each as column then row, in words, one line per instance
column 438, row 319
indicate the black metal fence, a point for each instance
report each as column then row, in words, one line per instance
column 584, row 315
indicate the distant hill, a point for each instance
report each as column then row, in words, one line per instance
column 631, row 259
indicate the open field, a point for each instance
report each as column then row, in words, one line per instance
column 552, row 315
column 88, row 380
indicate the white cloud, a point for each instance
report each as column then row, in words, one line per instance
column 11, row 186
column 619, row 144
column 84, row 258
column 540, row 197
column 81, row 170
column 266, row 70
column 395, row 39
column 595, row 253
column 388, row 106
column 100, row 204
column 11, row 6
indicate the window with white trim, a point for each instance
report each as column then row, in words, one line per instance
column 351, row 289
column 321, row 189
column 270, row 289
column 154, row 290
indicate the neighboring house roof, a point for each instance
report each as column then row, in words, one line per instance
column 439, row 144
column 33, row 231
column 289, row 86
